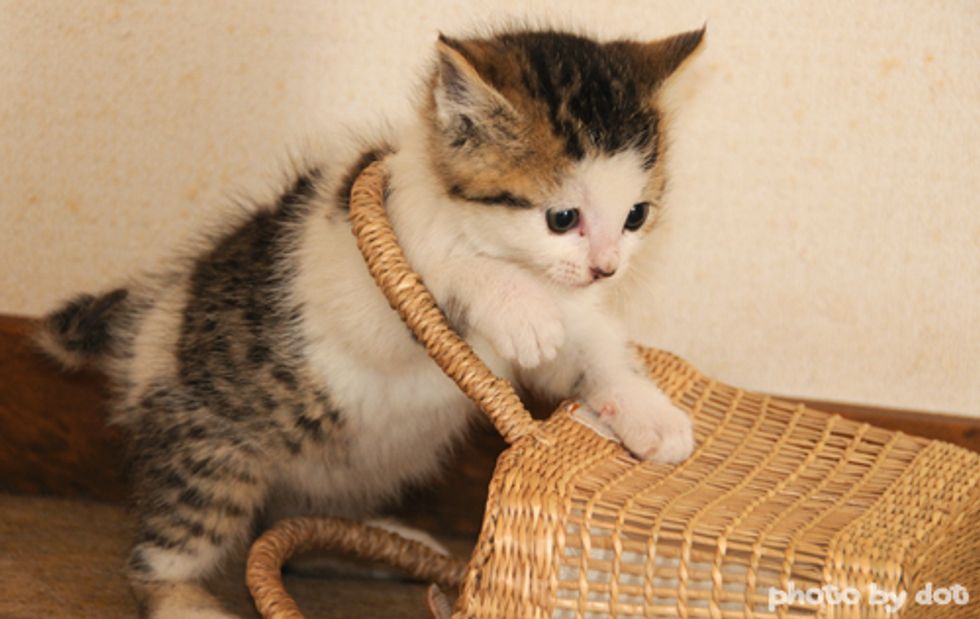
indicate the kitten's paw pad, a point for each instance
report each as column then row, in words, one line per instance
column 606, row 410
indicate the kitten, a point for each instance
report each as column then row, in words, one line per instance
column 268, row 375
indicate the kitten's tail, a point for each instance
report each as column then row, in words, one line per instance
column 80, row 333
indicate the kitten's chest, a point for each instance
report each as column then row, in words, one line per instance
column 397, row 423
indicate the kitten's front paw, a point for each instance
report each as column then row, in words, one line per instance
column 647, row 422
column 525, row 328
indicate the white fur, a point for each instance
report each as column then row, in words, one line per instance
column 154, row 344
column 532, row 306
column 400, row 411
column 176, row 566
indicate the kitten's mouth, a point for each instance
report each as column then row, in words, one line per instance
column 585, row 283
column 595, row 277
column 576, row 281
column 574, row 277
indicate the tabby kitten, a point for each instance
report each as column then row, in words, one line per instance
column 267, row 374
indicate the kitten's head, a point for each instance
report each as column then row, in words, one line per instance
column 551, row 144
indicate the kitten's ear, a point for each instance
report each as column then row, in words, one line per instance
column 659, row 59
column 464, row 102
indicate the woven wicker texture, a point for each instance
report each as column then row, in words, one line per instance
column 774, row 494
column 296, row 535
column 776, row 497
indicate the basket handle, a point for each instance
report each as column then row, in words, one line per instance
column 408, row 295
column 263, row 572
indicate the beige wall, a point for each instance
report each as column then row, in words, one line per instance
column 823, row 237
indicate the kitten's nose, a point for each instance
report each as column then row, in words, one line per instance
column 598, row 273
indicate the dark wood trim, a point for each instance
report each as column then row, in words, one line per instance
column 957, row 429
column 54, row 438
column 16, row 325
column 53, row 433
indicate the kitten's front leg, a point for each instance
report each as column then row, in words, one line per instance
column 505, row 305
column 643, row 417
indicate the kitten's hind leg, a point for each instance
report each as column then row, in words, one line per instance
column 177, row 600
column 198, row 499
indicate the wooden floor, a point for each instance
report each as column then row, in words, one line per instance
column 63, row 558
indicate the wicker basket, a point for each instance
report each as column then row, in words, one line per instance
column 782, row 511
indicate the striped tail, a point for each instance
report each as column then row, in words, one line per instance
column 79, row 333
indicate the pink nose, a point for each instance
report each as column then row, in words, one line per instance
column 598, row 273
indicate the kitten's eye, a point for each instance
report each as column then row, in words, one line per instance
column 563, row 220
column 637, row 215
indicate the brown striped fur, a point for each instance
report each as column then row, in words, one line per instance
column 541, row 101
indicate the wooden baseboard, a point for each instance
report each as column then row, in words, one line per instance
column 53, row 433
column 53, row 438
column 956, row 429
